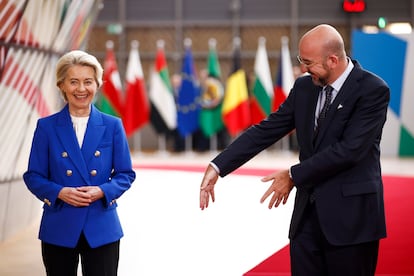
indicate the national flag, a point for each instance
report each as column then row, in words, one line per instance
column 236, row 112
column 110, row 100
column 212, row 95
column 136, row 108
column 262, row 97
column 285, row 77
column 188, row 106
column 163, row 108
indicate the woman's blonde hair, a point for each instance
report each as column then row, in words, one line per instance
column 77, row 57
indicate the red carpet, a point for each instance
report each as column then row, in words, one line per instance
column 396, row 256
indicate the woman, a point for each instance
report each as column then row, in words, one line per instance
column 79, row 165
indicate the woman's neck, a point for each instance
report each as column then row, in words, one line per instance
column 80, row 112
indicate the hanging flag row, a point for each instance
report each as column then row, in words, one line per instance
column 197, row 102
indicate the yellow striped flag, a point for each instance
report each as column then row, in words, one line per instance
column 236, row 112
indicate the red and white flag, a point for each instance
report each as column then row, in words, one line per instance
column 136, row 108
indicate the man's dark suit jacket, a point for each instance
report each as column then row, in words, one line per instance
column 341, row 166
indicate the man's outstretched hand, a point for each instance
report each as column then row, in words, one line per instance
column 207, row 187
column 281, row 186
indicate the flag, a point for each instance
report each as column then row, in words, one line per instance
column 212, row 95
column 163, row 110
column 188, row 106
column 236, row 112
column 110, row 101
column 285, row 77
column 262, row 97
column 136, row 108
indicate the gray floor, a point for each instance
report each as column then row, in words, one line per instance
column 20, row 256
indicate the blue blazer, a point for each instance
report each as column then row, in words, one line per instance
column 341, row 167
column 57, row 161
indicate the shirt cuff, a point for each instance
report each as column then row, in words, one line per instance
column 215, row 167
column 290, row 173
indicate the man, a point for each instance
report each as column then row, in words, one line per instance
column 338, row 217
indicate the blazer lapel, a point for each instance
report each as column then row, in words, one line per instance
column 93, row 135
column 67, row 136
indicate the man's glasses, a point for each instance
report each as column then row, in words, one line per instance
column 305, row 62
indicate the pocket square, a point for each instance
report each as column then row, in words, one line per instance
column 340, row 106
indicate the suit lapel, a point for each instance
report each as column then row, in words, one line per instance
column 311, row 114
column 67, row 136
column 348, row 88
column 93, row 135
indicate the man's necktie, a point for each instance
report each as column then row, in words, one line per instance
column 324, row 110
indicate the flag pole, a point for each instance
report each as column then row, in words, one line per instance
column 213, row 143
column 188, row 143
column 137, row 141
column 162, row 144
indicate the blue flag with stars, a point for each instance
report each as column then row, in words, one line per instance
column 188, row 98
